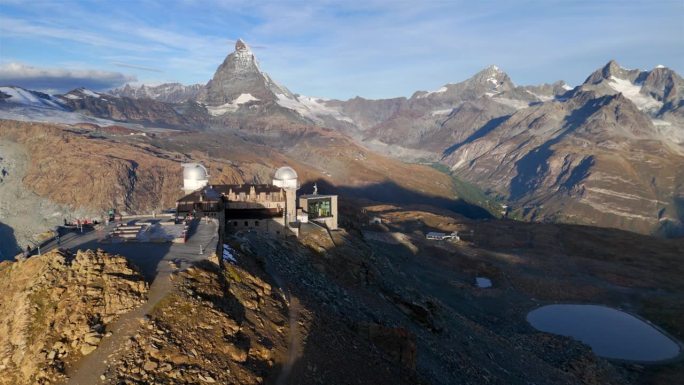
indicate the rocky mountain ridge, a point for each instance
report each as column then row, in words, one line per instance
column 461, row 126
column 167, row 92
column 508, row 139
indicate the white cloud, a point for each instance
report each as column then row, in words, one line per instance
column 374, row 48
column 137, row 67
column 59, row 79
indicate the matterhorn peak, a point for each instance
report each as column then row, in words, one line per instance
column 239, row 80
column 240, row 45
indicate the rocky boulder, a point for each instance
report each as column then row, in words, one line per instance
column 55, row 308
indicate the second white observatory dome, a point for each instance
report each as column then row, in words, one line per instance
column 285, row 177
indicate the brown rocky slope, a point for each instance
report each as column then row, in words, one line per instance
column 96, row 170
column 55, row 308
column 222, row 326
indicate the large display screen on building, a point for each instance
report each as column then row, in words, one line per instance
column 319, row 208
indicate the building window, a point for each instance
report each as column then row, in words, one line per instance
column 319, row 208
column 246, row 224
column 235, row 224
column 256, row 223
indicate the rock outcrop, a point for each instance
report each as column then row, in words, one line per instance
column 223, row 326
column 55, row 308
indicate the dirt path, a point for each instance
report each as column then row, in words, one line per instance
column 89, row 369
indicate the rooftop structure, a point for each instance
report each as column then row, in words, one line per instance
column 286, row 177
column 195, row 176
column 270, row 208
column 321, row 209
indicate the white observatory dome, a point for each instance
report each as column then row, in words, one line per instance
column 195, row 176
column 285, row 173
column 285, row 177
column 194, row 171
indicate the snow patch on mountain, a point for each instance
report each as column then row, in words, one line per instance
column 669, row 132
column 441, row 112
column 18, row 95
column 44, row 114
column 660, row 122
column 311, row 108
column 81, row 93
column 517, row 104
column 633, row 92
column 231, row 106
column 244, row 98
column 90, row 93
column 543, row 98
column 439, row 91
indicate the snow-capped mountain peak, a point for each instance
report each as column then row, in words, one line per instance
column 240, row 74
column 655, row 92
column 80, row 93
column 20, row 96
column 166, row 92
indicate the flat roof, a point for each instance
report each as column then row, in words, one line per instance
column 312, row 196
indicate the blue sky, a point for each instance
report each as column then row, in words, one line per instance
column 334, row 49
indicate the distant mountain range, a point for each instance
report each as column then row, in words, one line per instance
column 168, row 92
column 609, row 152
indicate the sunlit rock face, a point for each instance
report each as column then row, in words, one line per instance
column 239, row 80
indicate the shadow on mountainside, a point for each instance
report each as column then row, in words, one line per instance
column 8, row 243
column 533, row 167
column 328, row 337
column 479, row 133
column 391, row 193
column 372, row 311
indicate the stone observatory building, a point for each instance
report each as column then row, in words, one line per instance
column 266, row 208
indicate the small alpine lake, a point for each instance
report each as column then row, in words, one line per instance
column 609, row 332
